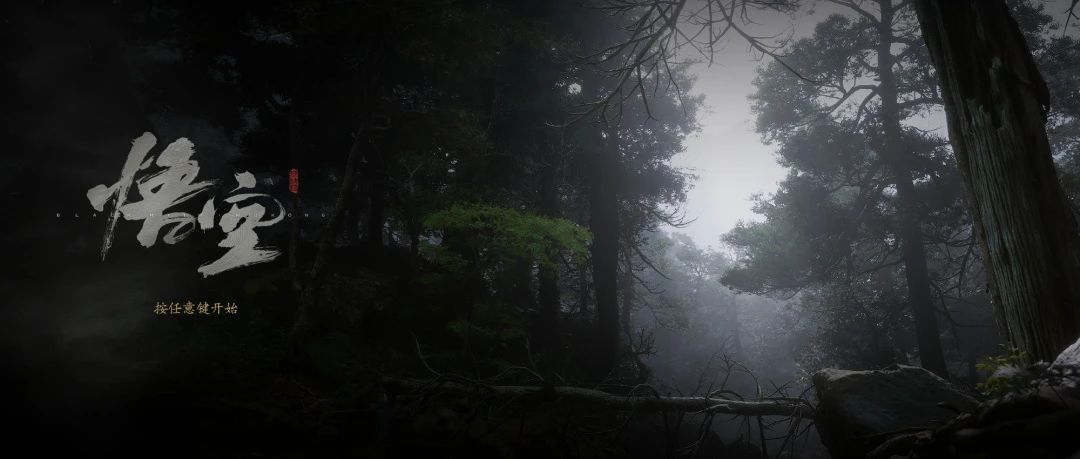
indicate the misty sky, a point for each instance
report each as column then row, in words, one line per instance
column 727, row 155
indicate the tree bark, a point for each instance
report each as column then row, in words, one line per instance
column 996, row 103
column 604, row 224
column 909, row 216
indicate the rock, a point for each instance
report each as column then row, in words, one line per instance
column 1039, row 421
column 859, row 410
column 1069, row 357
column 1060, row 381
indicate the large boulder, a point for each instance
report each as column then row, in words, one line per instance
column 858, row 410
column 900, row 411
column 1063, row 376
column 1070, row 357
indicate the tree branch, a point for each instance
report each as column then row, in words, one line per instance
column 919, row 101
column 600, row 399
column 1071, row 14
column 856, row 8
column 848, row 93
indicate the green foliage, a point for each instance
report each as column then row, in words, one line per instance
column 491, row 324
column 771, row 257
column 484, row 253
column 506, row 234
column 442, row 256
column 1005, row 373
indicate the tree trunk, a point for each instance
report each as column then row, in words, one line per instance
column 547, row 323
column 735, row 328
column 604, row 224
column 309, row 295
column 996, row 103
column 584, row 290
column 376, row 217
column 626, row 309
column 909, row 216
column 638, row 403
column 626, row 289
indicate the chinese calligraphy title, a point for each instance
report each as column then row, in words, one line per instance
column 171, row 180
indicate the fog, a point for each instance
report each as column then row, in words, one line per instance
column 511, row 230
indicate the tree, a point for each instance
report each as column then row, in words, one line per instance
column 836, row 105
column 996, row 104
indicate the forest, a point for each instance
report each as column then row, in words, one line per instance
column 483, row 230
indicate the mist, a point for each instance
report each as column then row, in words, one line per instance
column 487, row 228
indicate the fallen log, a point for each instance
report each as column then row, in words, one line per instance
column 791, row 407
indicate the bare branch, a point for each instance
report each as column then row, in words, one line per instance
column 648, row 262
column 846, row 94
column 1071, row 14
